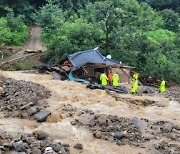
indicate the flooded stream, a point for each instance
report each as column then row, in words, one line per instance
column 77, row 95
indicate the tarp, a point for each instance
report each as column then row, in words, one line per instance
column 93, row 56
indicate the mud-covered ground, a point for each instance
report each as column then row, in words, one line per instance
column 92, row 121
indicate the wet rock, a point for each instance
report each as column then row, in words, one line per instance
column 1, row 90
column 85, row 119
column 26, row 106
column 172, row 136
column 160, row 104
column 73, row 122
column 177, row 127
column 167, row 127
column 147, row 91
column 65, row 145
column 156, row 128
column 32, row 110
column 57, row 147
column 34, row 100
column 42, row 115
column 18, row 147
column 102, row 119
column 36, row 151
column 40, row 135
column 118, row 135
column 98, row 134
column 138, row 123
column 8, row 145
column 78, row 146
column 3, row 135
column 56, row 76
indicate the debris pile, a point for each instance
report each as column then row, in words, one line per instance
column 22, row 99
column 167, row 148
column 112, row 128
column 173, row 93
column 34, row 143
column 167, row 131
column 67, row 111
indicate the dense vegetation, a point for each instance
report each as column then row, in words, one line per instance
column 144, row 34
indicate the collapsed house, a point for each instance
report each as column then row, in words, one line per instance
column 87, row 66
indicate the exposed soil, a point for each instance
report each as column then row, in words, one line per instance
column 34, row 43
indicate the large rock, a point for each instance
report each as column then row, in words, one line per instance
column 36, row 151
column 1, row 90
column 3, row 135
column 56, row 76
column 102, row 119
column 40, row 135
column 42, row 115
column 78, row 146
column 118, row 135
column 167, row 127
column 18, row 147
column 32, row 110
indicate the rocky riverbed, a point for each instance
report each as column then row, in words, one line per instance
column 91, row 121
column 22, row 99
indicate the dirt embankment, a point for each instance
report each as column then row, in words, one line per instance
column 102, row 122
column 33, row 44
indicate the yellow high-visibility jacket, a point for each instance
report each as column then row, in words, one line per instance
column 135, row 76
column 162, row 87
column 115, row 80
column 103, row 79
column 135, row 87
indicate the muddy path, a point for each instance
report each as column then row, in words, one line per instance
column 78, row 98
column 34, row 43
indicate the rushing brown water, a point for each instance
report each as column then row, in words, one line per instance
column 98, row 101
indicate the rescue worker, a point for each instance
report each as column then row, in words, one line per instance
column 103, row 79
column 135, row 76
column 110, row 78
column 135, row 87
column 162, row 87
column 115, row 79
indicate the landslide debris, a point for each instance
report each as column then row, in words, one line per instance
column 112, row 128
column 22, row 99
column 30, row 143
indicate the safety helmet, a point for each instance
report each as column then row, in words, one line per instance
column 48, row 150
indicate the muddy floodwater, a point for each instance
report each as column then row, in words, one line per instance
column 59, row 126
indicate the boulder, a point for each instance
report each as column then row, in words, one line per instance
column 78, row 146
column 36, row 151
column 1, row 90
column 102, row 119
column 57, row 147
column 32, row 110
column 42, row 115
column 40, row 135
column 118, row 135
column 98, row 134
column 167, row 127
column 18, row 147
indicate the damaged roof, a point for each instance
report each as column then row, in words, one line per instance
column 92, row 56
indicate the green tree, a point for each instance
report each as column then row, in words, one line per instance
column 171, row 20
column 72, row 37
column 5, row 32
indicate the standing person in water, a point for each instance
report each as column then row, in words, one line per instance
column 110, row 78
column 103, row 79
column 115, row 79
column 162, row 87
